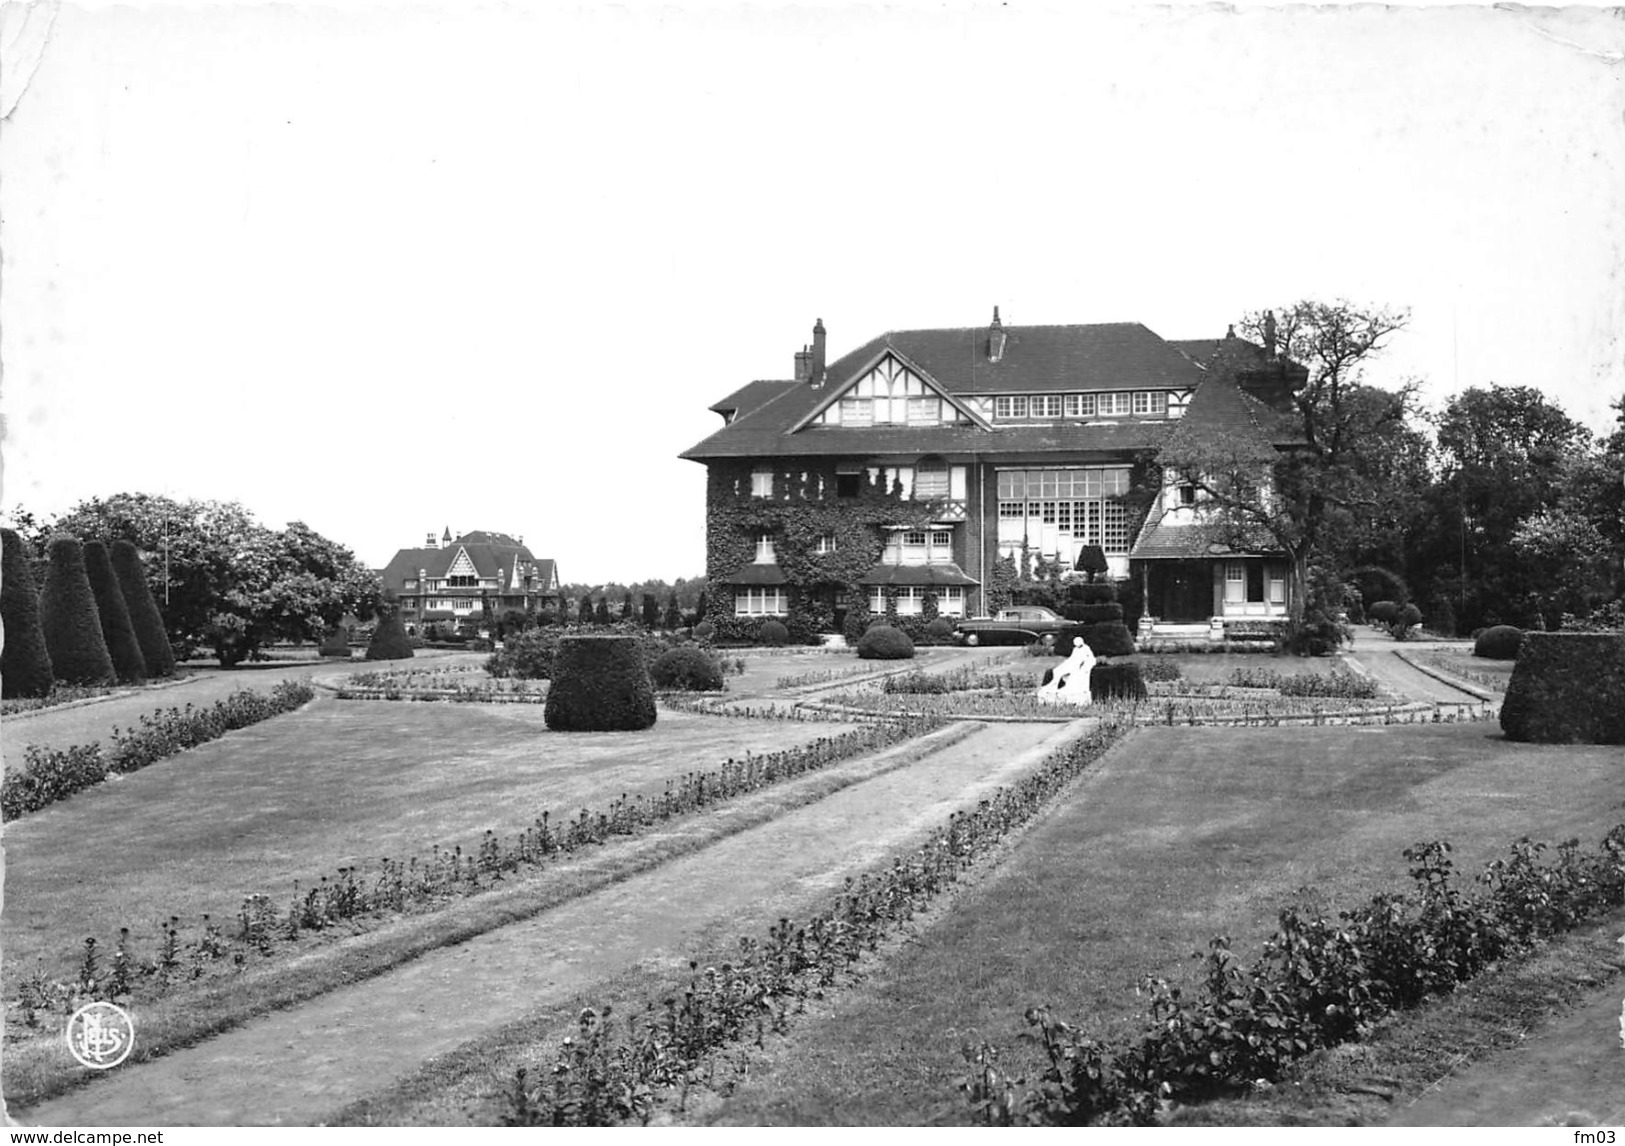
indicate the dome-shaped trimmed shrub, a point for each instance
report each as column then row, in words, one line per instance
column 1499, row 643
column 773, row 633
column 687, row 667
column 337, row 643
column 939, row 629
column 145, row 618
column 1383, row 612
column 600, row 684
column 704, row 631
column 389, row 640
column 1404, row 618
column 128, row 663
column 1567, row 688
column 884, row 643
column 25, row 666
column 68, row 618
column 1117, row 682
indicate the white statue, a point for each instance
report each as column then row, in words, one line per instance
column 1068, row 682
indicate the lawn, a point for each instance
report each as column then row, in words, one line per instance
column 336, row 783
column 1178, row 835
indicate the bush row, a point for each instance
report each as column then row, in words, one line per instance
column 53, row 774
column 612, row 1072
column 397, row 885
column 1319, row 982
column 1567, row 688
column 1340, row 682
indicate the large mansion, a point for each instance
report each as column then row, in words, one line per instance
column 910, row 466
column 456, row 579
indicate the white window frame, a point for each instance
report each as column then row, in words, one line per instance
column 761, row 482
column 910, row 600
column 759, row 601
column 764, row 550
column 826, row 543
column 951, row 600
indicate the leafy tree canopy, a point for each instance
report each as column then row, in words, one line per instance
column 225, row 582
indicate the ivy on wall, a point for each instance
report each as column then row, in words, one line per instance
column 803, row 510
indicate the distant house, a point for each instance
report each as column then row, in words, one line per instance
column 457, row 579
column 908, row 468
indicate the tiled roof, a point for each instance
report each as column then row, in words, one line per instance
column 1220, row 407
column 1036, row 359
column 1161, row 541
column 756, row 574
column 750, row 396
column 945, row 573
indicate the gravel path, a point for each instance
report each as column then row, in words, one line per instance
column 295, row 1066
column 1404, row 679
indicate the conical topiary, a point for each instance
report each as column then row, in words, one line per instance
column 25, row 666
column 73, row 631
column 336, row 644
column 122, row 646
column 145, row 618
column 389, row 640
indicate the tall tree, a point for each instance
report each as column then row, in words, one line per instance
column 73, row 631
column 145, row 618
column 1506, row 452
column 122, row 645
column 224, row 581
column 651, row 611
column 25, row 666
column 1302, row 500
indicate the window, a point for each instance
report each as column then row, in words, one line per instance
column 764, row 549
column 1187, row 494
column 1010, row 406
column 1113, row 405
column 1235, row 582
column 910, row 600
column 930, row 479
column 1277, row 585
column 857, row 412
column 462, row 603
column 942, row 538
column 1046, row 406
column 1151, row 402
column 761, row 482
column 462, row 582
column 877, row 599
column 759, row 601
column 1080, row 405
column 848, row 485
column 826, row 543
column 924, row 411
column 914, row 537
column 951, row 601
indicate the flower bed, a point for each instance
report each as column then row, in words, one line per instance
column 55, row 774
column 469, row 685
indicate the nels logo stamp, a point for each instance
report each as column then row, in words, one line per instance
column 101, row 1035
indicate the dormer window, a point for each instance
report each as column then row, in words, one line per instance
column 1112, row 405
column 1010, row 406
column 1080, row 406
column 1045, row 405
column 1152, row 402
column 764, row 549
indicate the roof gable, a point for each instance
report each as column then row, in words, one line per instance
column 889, row 374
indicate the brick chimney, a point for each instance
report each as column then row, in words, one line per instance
column 816, row 370
column 1269, row 334
column 804, row 364
column 995, row 338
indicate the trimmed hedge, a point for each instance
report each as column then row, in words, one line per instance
column 704, row 631
column 73, row 631
column 1091, row 592
column 389, row 640
column 1567, row 688
column 145, row 618
column 1117, row 682
column 939, row 629
column 687, row 667
column 1383, row 612
column 773, row 633
column 884, row 643
column 117, row 631
column 529, row 656
column 1093, row 614
column 600, row 684
column 1499, row 643
column 25, row 666
column 1108, row 639
column 337, row 644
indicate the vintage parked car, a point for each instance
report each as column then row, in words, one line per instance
column 1018, row 625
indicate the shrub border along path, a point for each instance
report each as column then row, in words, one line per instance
column 336, row 1070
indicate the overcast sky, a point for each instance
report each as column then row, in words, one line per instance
column 387, row 271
